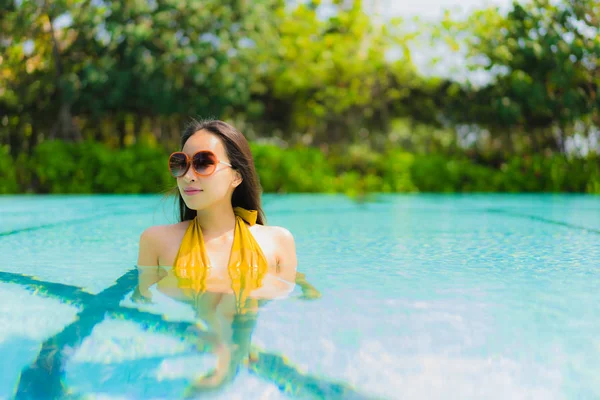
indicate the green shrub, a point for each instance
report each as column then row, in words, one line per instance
column 299, row 169
column 89, row 167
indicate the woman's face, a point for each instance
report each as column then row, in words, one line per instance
column 200, row 192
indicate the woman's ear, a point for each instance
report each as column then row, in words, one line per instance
column 237, row 179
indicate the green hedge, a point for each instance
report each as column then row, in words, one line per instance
column 59, row 167
column 88, row 167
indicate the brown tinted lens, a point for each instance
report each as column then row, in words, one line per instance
column 204, row 163
column 178, row 164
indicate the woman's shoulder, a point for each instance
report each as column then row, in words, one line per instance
column 157, row 233
column 276, row 233
column 281, row 240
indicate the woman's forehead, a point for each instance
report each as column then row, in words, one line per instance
column 203, row 140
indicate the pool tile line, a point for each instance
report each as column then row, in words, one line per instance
column 362, row 207
column 44, row 378
column 66, row 293
column 70, row 221
column 542, row 219
column 294, row 383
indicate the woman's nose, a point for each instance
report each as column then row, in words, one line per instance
column 190, row 175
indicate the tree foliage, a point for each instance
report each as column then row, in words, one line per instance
column 134, row 71
column 545, row 59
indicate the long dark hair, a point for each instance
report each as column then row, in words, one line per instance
column 246, row 194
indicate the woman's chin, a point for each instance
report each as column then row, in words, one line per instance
column 194, row 204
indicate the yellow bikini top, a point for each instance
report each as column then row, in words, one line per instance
column 247, row 263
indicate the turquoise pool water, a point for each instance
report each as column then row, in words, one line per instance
column 423, row 297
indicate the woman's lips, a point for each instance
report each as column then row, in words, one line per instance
column 191, row 192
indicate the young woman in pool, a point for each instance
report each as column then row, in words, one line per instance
column 220, row 257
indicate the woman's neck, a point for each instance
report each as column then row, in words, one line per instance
column 216, row 220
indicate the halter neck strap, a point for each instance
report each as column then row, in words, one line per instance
column 250, row 216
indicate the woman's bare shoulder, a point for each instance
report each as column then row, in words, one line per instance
column 157, row 243
column 283, row 244
column 276, row 233
column 158, row 233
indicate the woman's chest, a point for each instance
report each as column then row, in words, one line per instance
column 219, row 252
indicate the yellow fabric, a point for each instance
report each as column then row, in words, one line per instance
column 247, row 263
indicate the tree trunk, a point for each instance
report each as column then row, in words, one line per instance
column 560, row 139
column 138, row 121
column 96, row 126
column 15, row 141
column 535, row 144
column 121, row 131
column 33, row 139
column 63, row 128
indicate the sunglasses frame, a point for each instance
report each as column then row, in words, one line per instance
column 189, row 162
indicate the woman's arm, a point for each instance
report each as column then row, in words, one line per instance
column 286, row 254
column 288, row 264
column 147, row 263
column 309, row 292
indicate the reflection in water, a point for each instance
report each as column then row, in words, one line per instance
column 45, row 377
column 225, row 315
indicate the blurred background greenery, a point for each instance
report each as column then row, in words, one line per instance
column 94, row 94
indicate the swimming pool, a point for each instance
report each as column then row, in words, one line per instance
column 423, row 297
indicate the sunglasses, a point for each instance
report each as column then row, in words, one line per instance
column 204, row 163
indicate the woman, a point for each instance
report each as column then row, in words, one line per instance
column 220, row 257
